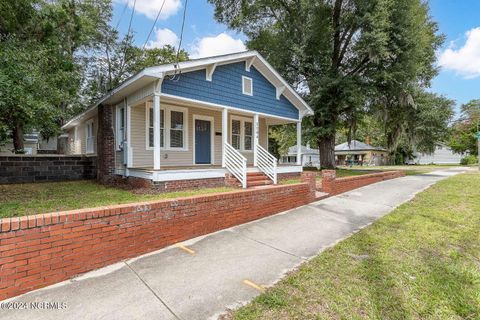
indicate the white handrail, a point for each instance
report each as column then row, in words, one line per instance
column 236, row 163
column 267, row 163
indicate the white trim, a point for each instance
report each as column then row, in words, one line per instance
column 280, row 91
column 221, row 106
column 242, row 132
column 209, row 71
column 156, row 131
column 244, row 79
column 224, row 134
column 256, row 133
column 129, row 137
column 248, row 63
column 166, row 126
column 299, row 143
column 212, row 136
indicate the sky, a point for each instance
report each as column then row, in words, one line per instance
column 458, row 59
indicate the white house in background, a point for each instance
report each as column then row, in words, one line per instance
column 309, row 157
column 443, row 154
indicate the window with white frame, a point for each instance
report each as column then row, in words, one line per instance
column 176, row 129
column 242, row 134
column 120, row 126
column 247, row 86
column 172, row 128
column 247, row 140
column 236, row 133
column 89, row 137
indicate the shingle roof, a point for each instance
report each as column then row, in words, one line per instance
column 356, row 145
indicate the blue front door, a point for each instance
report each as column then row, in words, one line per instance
column 203, row 143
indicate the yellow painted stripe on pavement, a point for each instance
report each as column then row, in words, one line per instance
column 181, row 246
column 254, row 285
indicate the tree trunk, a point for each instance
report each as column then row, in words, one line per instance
column 17, row 134
column 326, row 147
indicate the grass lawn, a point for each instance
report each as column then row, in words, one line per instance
column 420, row 262
column 33, row 198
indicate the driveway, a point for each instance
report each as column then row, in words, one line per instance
column 202, row 277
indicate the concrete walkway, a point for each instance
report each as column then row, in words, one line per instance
column 207, row 275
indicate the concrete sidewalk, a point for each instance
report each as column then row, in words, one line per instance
column 209, row 274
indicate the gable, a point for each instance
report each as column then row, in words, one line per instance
column 226, row 89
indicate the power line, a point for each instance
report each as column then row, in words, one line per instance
column 154, row 23
column 131, row 17
column 176, row 65
column 121, row 16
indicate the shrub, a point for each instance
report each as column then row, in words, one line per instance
column 471, row 159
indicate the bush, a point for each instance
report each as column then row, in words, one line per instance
column 471, row 159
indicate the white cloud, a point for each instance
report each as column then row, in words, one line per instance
column 162, row 38
column 465, row 60
column 150, row 7
column 217, row 45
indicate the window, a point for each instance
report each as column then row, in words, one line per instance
column 176, row 129
column 241, row 136
column 236, row 134
column 247, row 86
column 248, row 136
column 150, row 128
column 172, row 128
column 120, row 126
column 90, row 137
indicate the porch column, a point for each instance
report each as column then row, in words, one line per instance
column 128, row 151
column 224, row 133
column 255, row 138
column 156, row 132
column 299, row 142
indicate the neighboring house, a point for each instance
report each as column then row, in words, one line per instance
column 309, row 157
column 360, row 153
column 195, row 121
column 443, row 154
column 33, row 143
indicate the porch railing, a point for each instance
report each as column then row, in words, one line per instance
column 236, row 163
column 267, row 163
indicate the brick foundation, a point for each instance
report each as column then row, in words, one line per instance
column 40, row 250
column 46, row 168
column 333, row 185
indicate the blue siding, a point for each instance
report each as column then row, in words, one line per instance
column 226, row 89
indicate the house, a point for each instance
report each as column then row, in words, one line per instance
column 442, row 154
column 194, row 123
column 33, row 144
column 360, row 153
column 309, row 157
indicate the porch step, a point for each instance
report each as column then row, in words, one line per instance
column 255, row 179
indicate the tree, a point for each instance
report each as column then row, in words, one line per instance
column 463, row 137
column 39, row 71
column 335, row 49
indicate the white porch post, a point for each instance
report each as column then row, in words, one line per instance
column 129, row 160
column 255, row 138
column 224, row 134
column 156, row 131
column 299, row 142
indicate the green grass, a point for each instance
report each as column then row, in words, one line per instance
column 26, row 199
column 420, row 262
column 290, row 181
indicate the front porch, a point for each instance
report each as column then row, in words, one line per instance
column 170, row 138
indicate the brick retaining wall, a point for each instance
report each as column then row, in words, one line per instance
column 39, row 250
column 333, row 185
column 43, row 168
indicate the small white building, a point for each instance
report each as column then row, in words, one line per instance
column 443, row 154
column 310, row 157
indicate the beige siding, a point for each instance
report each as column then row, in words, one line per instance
column 143, row 156
column 77, row 143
